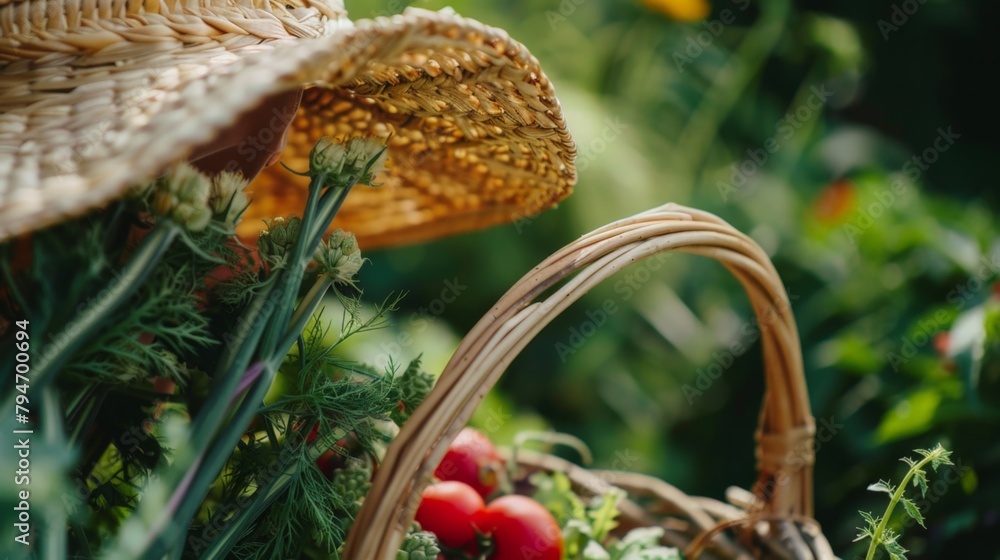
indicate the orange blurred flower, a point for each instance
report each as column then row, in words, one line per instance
column 942, row 342
column 836, row 202
column 680, row 10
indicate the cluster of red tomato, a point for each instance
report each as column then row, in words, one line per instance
column 510, row 527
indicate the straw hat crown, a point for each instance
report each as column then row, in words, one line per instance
column 99, row 95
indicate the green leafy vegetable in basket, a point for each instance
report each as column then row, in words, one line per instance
column 587, row 526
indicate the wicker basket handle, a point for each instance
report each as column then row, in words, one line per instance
column 784, row 436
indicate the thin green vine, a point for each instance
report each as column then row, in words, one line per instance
column 877, row 528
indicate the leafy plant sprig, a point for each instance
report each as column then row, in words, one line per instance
column 272, row 323
column 877, row 528
column 587, row 524
column 114, row 301
column 165, row 366
column 318, row 388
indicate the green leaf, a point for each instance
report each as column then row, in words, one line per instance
column 911, row 416
column 576, row 535
column 555, row 492
column 966, row 347
column 869, row 529
column 594, row 551
column 643, row 544
column 604, row 514
column 871, row 521
column 942, row 458
column 853, row 353
column 643, row 537
column 882, row 486
column 894, row 549
column 913, row 511
column 920, row 479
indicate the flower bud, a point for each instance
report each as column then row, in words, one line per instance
column 419, row 546
column 358, row 159
column 339, row 257
column 279, row 238
column 366, row 156
column 192, row 217
column 227, row 199
column 190, row 185
column 327, row 156
column 182, row 194
column 352, row 484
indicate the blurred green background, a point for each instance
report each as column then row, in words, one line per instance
column 890, row 261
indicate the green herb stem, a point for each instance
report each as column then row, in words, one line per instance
column 292, row 277
column 330, row 204
column 88, row 324
column 214, row 460
column 317, row 217
column 896, row 496
column 265, row 497
column 271, row 314
column 232, row 369
column 190, row 494
column 307, row 307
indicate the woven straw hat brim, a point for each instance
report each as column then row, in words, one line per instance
column 87, row 111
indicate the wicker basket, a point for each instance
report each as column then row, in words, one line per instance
column 773, row 522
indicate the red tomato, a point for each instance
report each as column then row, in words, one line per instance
column 521, row 528
column 446, row 509
column 331, row 459
column 328, row 462
column 472, row 459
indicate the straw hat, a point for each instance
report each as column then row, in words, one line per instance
column 100, row 95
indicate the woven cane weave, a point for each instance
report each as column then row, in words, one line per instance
column 101, row 95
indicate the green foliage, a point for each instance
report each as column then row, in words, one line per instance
column 587, row 524
column 155, row 328
column 877, row 529
column 342, row 402
column 315, row 515
column 419, row 546
column 166, row 311
column 413, row 386
column 166, row 372
column 150, row 329
column 642, row 544
column 555, row 492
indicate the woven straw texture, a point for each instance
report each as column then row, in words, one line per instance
column 100, row 95
column 785, row 452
